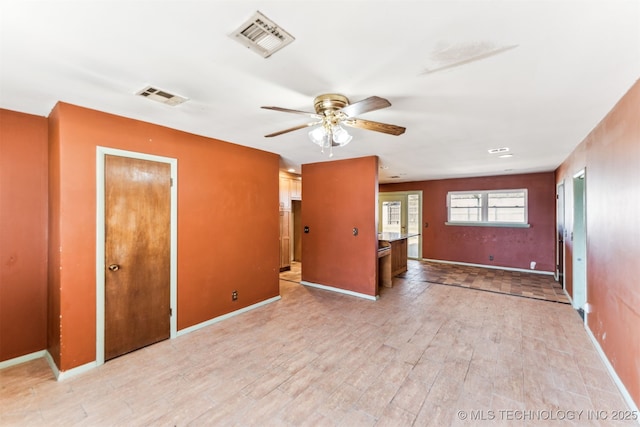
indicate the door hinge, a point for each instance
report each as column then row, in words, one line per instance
column 170, row 311
column 170, row 182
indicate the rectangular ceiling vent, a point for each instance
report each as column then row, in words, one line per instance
column 262, row 35
column 162, row 96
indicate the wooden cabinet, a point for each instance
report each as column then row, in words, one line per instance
column 285, row 193
column 397, row 243
column 296, row 189
column 398, row 257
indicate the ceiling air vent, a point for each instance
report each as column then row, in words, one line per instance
column 161, row 96
column 498, row 150
column 262, row 35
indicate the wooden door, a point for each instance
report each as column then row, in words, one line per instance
column 137, row 254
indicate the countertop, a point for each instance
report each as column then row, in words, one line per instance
column 392, row 237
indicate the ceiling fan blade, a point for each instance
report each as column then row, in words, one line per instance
column 369, row 104
column 306, row 125
column 376, row 126
column 287, row 110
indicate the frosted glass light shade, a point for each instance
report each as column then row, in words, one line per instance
column 341, row 136
column 317, row 135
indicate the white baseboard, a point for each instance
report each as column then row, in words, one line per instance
column 22, row 359
column 494, row 267
column 63, row 375
column 226, row 316
column 339, row 290
column 616, row 379
column 52, row 364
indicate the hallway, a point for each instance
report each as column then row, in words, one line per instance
column 424, row 354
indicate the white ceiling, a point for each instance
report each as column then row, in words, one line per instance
column 572, row 61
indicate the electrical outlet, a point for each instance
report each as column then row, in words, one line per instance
column 234, row 296
column 490, row 257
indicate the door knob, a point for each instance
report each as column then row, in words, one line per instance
column 114, row 267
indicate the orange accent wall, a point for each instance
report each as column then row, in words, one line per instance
column 53, row 324
column 611, row 156
column 23, row 234
column 339, row 196
column 227, row 222
column 510, row 247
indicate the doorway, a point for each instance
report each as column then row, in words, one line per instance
column 560, row 235
column 296, row 213
column 135, row 251
column 401, row 212
column 579, row 238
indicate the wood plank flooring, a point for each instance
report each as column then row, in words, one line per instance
column 422, row 355
column 524, row 284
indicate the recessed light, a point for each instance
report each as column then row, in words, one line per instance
column 499, row 150
column 291, row 170
column 505, row 156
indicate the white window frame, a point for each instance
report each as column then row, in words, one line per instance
column 484, row 208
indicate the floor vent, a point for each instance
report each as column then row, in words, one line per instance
column 262, row 35
column 160, row 95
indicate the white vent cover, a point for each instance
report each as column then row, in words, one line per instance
column 262, row 35
column 499, row 150
column 163, row 96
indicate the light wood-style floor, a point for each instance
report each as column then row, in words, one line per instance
column 424, row 354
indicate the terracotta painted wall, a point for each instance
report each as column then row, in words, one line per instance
column 611, row 156
column 23, row 234
column 510, row 247
column 53, row 324
column 227, row 221
column 339, row 196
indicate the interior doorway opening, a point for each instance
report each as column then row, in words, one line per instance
column 296, row 247
column 560, row 235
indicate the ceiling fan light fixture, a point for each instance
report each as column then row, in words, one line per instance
column 318, row 135
column 334, row 110
column 326, row 136
column 341, row 136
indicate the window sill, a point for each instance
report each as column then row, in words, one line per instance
column 490, row 224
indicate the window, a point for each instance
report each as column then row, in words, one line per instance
column 391, row 213
column 494, row 208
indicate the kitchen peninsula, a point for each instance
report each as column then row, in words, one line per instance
column 397, row 242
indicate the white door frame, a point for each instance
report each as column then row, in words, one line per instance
column 561, row 219
column 404, row 197
column 101, row 152
column 579, row 240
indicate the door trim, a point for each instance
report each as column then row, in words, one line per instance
column 580, row 284
column 561, row 218
column 101, row 152
column 404, row 195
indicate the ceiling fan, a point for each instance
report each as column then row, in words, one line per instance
column 333, row 111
